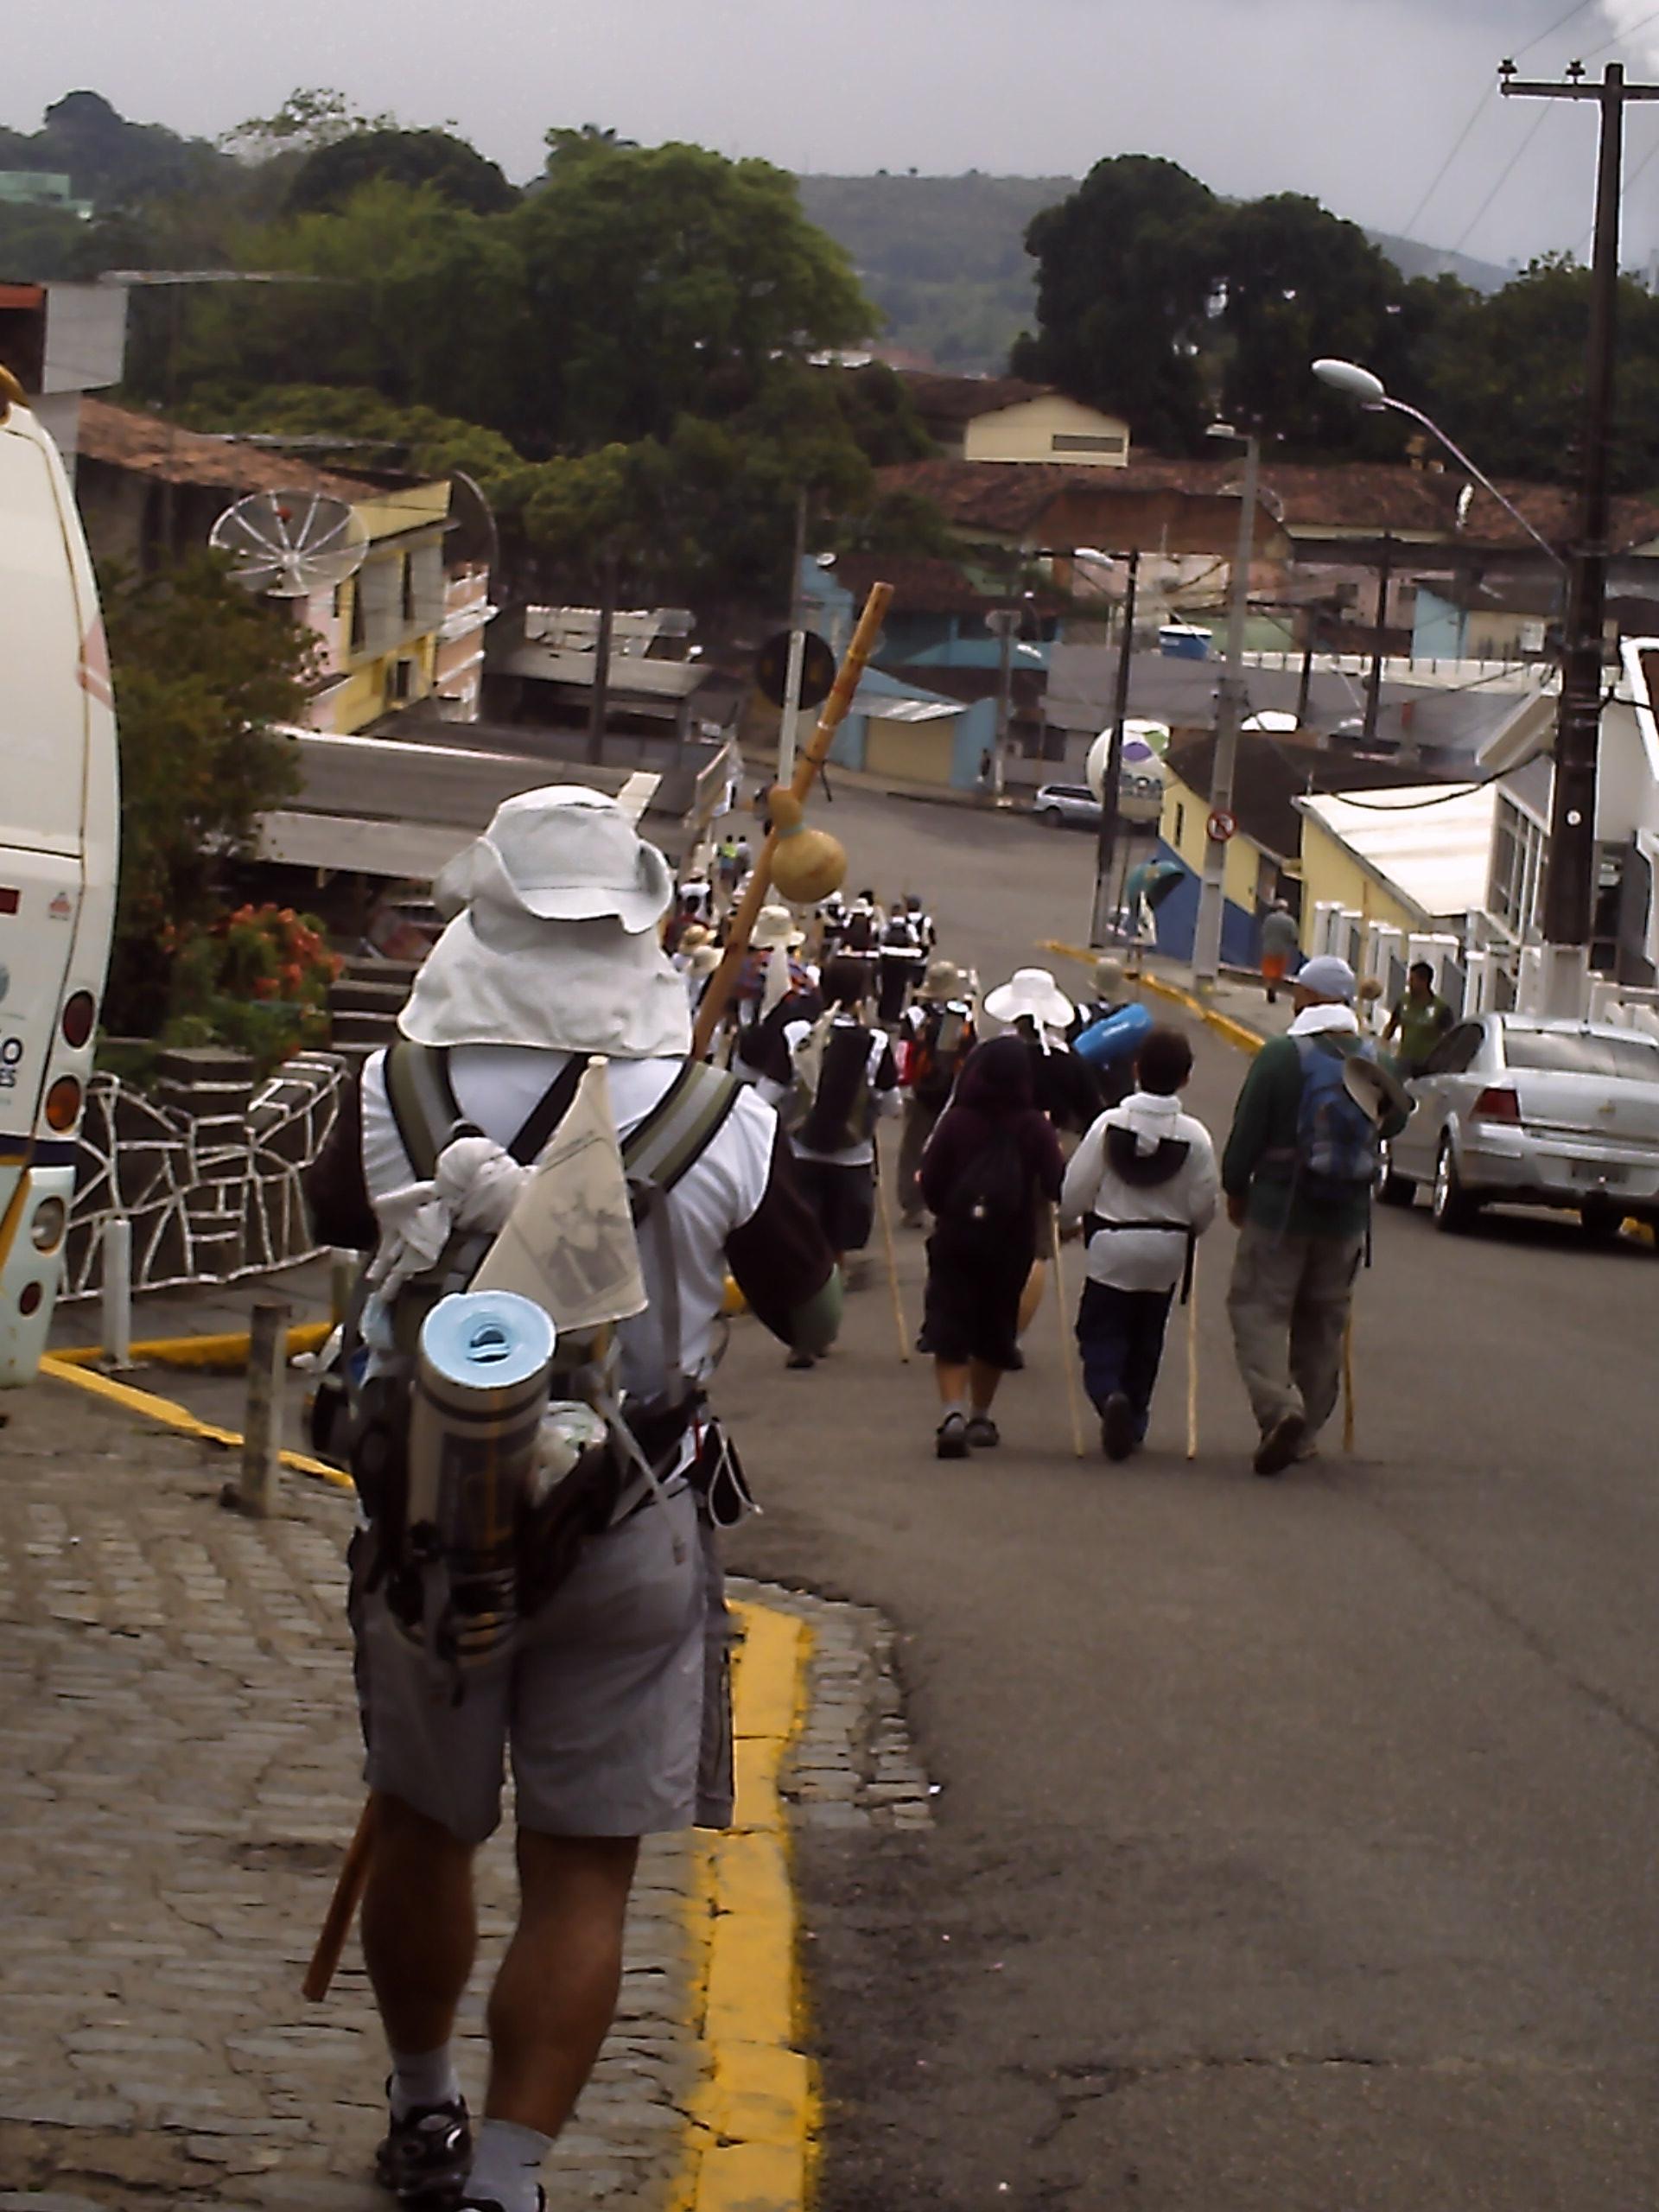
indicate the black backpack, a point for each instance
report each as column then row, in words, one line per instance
column 991, row 1207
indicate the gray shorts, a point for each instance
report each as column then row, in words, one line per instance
column 614, row 1705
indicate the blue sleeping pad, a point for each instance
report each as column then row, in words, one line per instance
column 1118, row 1037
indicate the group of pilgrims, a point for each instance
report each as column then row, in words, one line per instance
column 848, row 1017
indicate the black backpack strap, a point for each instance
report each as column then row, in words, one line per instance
column 548, row 1112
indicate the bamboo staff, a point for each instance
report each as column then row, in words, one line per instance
column 885, row 1211
column 1068, row 1350
column 723, row 979
column 342, row 1907
column 1192, row 1363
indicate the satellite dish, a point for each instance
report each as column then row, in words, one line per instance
column 290, row 543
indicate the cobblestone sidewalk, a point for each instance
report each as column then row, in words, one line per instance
column 181, row 1763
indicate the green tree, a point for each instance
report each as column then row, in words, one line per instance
column 665, row 281
column 203, row 675
column 329, row 176
column 311, row 116
column 1125, row 273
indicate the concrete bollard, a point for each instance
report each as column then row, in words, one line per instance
column 262, row 1430
column 342, row 1280
column 116, row 1292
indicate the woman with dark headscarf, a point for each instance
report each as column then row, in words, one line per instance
column 991, row 1167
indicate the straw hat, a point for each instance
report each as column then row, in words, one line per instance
column 1030, row 994
column 941, row 981
column 775, row 926
column 1108, row 978
column 694, row 934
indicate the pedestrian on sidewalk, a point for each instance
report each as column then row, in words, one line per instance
column 1419, row 1019
column 1143, row 1186
column 1281, row 942
column 610, row 1696
column 1297, row 1170
column 989, row 1175
column 936, row 1040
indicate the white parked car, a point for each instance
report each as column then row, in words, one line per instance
column 1513, row 1110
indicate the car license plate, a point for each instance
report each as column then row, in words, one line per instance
column 1599, row 1173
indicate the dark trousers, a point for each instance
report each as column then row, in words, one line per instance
column 1121, row 1336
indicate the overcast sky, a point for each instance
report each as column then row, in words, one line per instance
column 1358, row 102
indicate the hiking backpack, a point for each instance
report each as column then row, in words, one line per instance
column 837, row 1063
column 990, row 1208
column 1336, row 1154
column 937, row 1052
column 438, row 1598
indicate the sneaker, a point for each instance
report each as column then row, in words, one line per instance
column 425, row 2155
column 800, row 1359
column 1117, row 1437
column 982, row 1430
column 1280, row 1445
column 950, row 1438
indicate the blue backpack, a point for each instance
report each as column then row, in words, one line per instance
column 1336, row 1138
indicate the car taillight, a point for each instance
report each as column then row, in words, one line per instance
column 79, row 1016
column 45, row 1231
column 63, row 1103
column 1495, row 1103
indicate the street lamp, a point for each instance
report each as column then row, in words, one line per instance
column 1229, row 708
column 1368, row 388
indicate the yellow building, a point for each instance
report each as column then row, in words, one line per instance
column 1005, row 418
column 379, row 629
column 1251, row 877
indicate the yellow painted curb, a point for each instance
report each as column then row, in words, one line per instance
column 1235, row 1032
column 168, row 1415
column 228, row 1352
column 752, row 2125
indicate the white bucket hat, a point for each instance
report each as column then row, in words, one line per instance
column 564, row 853
column 775, row 926
column 1030, row 994
column 551, row 941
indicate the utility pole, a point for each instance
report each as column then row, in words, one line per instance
column 789, row 727
column 1111, row 782
column 1003, row 622
column 1374, row 684
column 1570, row 879
column 598, row 704
column 1230, row 704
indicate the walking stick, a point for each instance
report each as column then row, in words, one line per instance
column 1192, row 1363
column 723, row 979
column 342, row 1907
column 885, row 1212
column 1348, row 1384
column 1068, row 1350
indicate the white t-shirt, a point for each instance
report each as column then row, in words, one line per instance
column 498, row 1087
column 1150, row 1259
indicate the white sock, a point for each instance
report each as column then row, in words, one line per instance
column 955, row 1406
column 421, row 2080
column 507, row 2166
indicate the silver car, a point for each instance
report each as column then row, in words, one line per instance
column 1514, row 1110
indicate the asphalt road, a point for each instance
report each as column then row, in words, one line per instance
column 1295, row 1841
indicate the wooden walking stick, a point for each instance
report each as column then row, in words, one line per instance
column 342, row 1907
column 1348, row 1384
column 1068, row 1350
column 885, row 1212
column 721, row 982
column 1193, row 1363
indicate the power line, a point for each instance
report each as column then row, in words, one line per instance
column 1559, row 25
column 1621, row 37
column 1508, row 172
column 1462, row 139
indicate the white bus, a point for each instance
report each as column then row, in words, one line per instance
column 59, row 817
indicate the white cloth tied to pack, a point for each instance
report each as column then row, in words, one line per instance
column 474, row 1186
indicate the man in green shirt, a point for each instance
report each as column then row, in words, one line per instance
column 1297, row 1174
column 1420, row 1020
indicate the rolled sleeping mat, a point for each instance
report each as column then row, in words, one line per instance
column 1118, row 1037
column 480, row 1392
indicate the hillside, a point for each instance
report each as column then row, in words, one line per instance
column 944, row 257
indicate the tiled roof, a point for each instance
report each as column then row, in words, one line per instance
column 959, row 400
column 121, row 438
column 926, row 586
column 1360, row 497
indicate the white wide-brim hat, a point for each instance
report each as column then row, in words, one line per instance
column 550, row 940
column 1031, row 993
column 563, row 854
column 775, row 926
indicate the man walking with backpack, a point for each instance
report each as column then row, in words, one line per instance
column 1297, row 1170
column 1143, row 1185
column 609, row 1692
column 937, row 1036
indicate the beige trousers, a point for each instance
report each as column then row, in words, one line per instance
column 1288, row 1303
